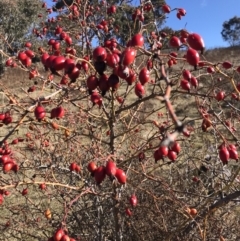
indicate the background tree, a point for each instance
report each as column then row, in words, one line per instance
column 16, row 20
column 231, row 31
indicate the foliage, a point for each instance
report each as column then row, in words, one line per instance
column 16, row 19
column 118, row 142
column 231, row 31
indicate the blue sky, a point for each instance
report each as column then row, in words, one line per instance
column 204, row 17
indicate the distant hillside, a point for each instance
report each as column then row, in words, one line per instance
column 220, row 54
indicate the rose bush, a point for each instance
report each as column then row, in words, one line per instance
column 119, row 142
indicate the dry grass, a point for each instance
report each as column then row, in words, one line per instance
column 231, row 54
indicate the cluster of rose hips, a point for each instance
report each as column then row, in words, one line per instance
column 138, row 14
column 120, row 62
column 180, row 11
column 170, row 152
column 103, row 56
column 188, row 81
column 61, row 235
column 2, row 194
column 25, row 57
column 227, row 152
column 40, row 112
column 6, row 159
column 192, row 211
column 110, row 169
column 133, row 202
column 5, row 118
column 74, row 167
